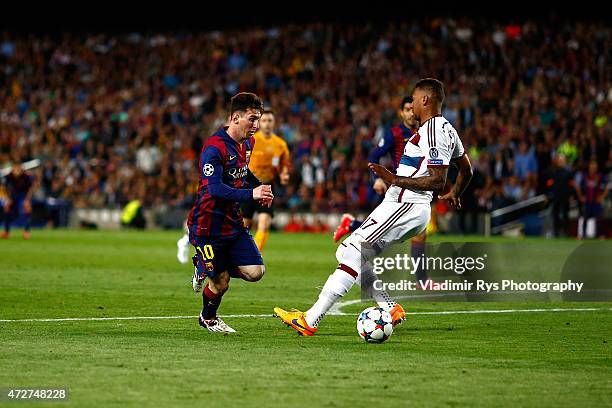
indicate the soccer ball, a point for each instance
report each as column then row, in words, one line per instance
column 374, row 325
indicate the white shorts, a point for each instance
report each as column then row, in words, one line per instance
column 389, row 223
column 393, row 222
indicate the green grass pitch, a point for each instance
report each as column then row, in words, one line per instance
column 556, row 359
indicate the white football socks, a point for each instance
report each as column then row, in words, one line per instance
column 381, row 297
column 337, row 285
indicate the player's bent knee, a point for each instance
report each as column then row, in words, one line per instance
column 259, row 273
column 253, row 273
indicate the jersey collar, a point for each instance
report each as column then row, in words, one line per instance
column 405, row 129
column 224, row 134
column 439, row 115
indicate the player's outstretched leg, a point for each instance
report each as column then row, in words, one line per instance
column 391, row 222
column 348, row 272
column 336, row 286
column 296, row 320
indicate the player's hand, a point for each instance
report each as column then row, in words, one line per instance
column 263, row 192
column 379, row 186
column 27, row 206
column 284, row 178
column 452, row 199
column 266, row 202
column 382, row 172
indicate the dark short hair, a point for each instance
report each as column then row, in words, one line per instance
column 405, row 100
column 243, row 101
column 432, row 85
column 269, row 111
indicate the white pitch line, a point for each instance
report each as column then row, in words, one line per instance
column 87, row 319
column 449, row 312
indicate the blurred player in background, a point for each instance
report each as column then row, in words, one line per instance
column 269, row 163
column 183, row 246
column 591, row 189
column 403, row 214
column 224, row 246
column 392, row 144
column 18, row 201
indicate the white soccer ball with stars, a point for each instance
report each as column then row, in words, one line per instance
column 374, row 325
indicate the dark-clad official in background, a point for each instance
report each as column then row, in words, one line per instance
column 561, row 189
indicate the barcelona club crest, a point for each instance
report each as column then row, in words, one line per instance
column 209, row 266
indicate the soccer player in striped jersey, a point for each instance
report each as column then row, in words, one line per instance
column 403, row 214
column 224, row 247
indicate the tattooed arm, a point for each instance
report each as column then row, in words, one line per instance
column 463, row 179
column 433, row 182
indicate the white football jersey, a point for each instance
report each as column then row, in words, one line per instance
column 434, row 145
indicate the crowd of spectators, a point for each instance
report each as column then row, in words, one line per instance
column 123, row 116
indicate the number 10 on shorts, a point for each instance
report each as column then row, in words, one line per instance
column 207, row 252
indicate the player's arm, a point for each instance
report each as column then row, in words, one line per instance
column 27, row 202
column 577, row 189
column 434, row 181
column 284, row 166
column 31, row 186
column 212, row 173
column 264, row 199
column 4, row 188
column 252, row 179
column 464, row 176
column 384, row 147
column 604, row 193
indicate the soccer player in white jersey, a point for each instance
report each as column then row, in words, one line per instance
column 403, row 214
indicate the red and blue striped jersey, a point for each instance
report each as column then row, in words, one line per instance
column 393, row 142
column 224, row 181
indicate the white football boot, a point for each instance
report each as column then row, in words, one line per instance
column 215, row 325
column 197, row 282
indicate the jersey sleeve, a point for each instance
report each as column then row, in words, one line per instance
column 252, row 179
column 285, row 158
column 212, row 176
column 458, row 149
column 436, row 146
column 384, row 147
